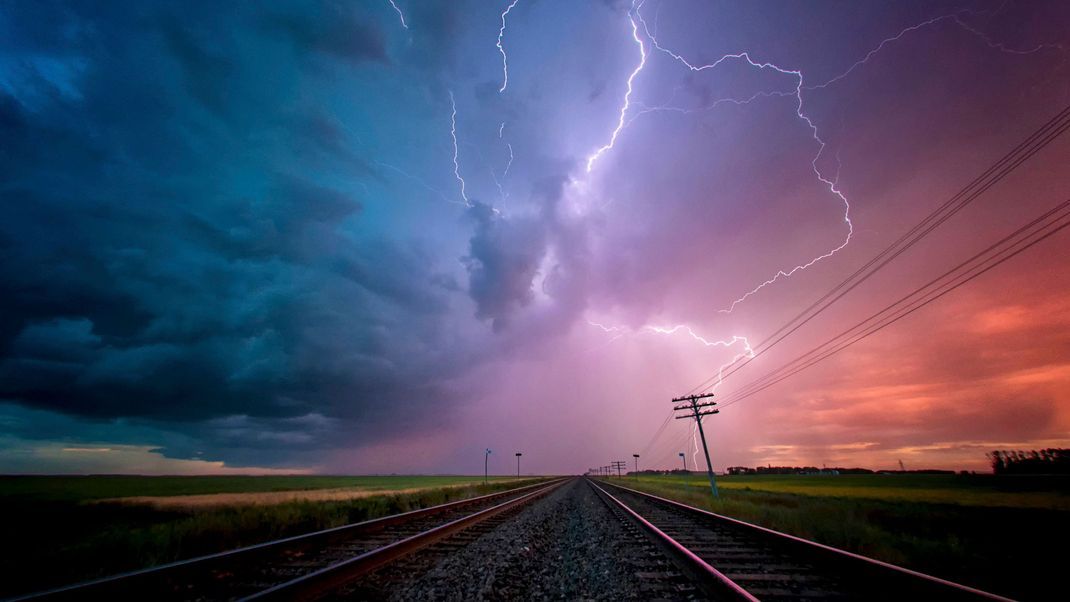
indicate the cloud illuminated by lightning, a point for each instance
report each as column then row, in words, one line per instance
column 401, row 15
column 501, row 49
column 627, row 95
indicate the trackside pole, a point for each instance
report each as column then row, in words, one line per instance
column 694, row 409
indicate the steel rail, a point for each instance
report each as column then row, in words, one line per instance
column 714, row 581
column 851, row 561
column 316, row 584
column 152, row 579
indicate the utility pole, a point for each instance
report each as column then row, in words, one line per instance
column 636, row 456
column 693, row 409
column 618, row 465
column 518, row 454
column 486, row 458
column 684, row 458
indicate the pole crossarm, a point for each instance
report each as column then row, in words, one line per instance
column 691, row 398
column 697, row 414
column 695, row 410
column 695, row 405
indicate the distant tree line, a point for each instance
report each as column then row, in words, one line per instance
column 1044, row 461
column 741, row 470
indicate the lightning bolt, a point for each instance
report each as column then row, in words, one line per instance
column 505, row 172
column 456, row 164
column 736, row 340
column 401, row 15
column 954, row 17
column 797, row 75
column 745, row 352
column 636, row 18
column 501, row 49
column 627, row 95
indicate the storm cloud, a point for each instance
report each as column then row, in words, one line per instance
column 236, row 232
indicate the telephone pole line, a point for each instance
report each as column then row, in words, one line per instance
column 618, row 465
column 691, row 408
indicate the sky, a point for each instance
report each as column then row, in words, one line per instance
column 382, row 237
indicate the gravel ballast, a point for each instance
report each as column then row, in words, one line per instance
column 566, row 546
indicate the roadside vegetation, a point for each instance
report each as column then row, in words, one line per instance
column 993, row 532
column 57, row 531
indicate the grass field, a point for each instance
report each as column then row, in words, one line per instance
column 59, row 530
column 86, row 488
column 991, row 532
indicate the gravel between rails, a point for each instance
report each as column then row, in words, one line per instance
column 566, row 546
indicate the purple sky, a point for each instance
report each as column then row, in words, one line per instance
column 336, row 238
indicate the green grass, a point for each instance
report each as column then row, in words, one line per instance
column 985, row 531
column 1010, row 491
column 87, row 488
column 53, row 537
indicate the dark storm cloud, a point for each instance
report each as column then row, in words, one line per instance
column 336, row 31
column 171, row 253
column 502, row 263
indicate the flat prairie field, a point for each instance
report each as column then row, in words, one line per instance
column 98, row 487
column 60, row 529
column 992, row 532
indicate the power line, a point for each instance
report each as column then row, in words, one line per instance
column 1036, row 231
column 1036, row 141
column 906, row 298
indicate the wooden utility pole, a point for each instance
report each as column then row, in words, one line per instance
column 618, row 465
column 693, row 409
column 636, row 456
column 518, row 454
column 486, row 460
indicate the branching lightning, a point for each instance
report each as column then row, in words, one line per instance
column 734, row 341
column 632, row 14
column 746, row 351
column 636, row 18
column 501, row 49
column 830, row 184
column 401, row 15
column 957, row 19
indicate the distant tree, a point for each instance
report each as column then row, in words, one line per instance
column 1045, row 461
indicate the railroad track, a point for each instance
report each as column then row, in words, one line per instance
column 305, row 566
column 734, row 560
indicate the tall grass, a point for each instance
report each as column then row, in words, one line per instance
column 52, row 542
